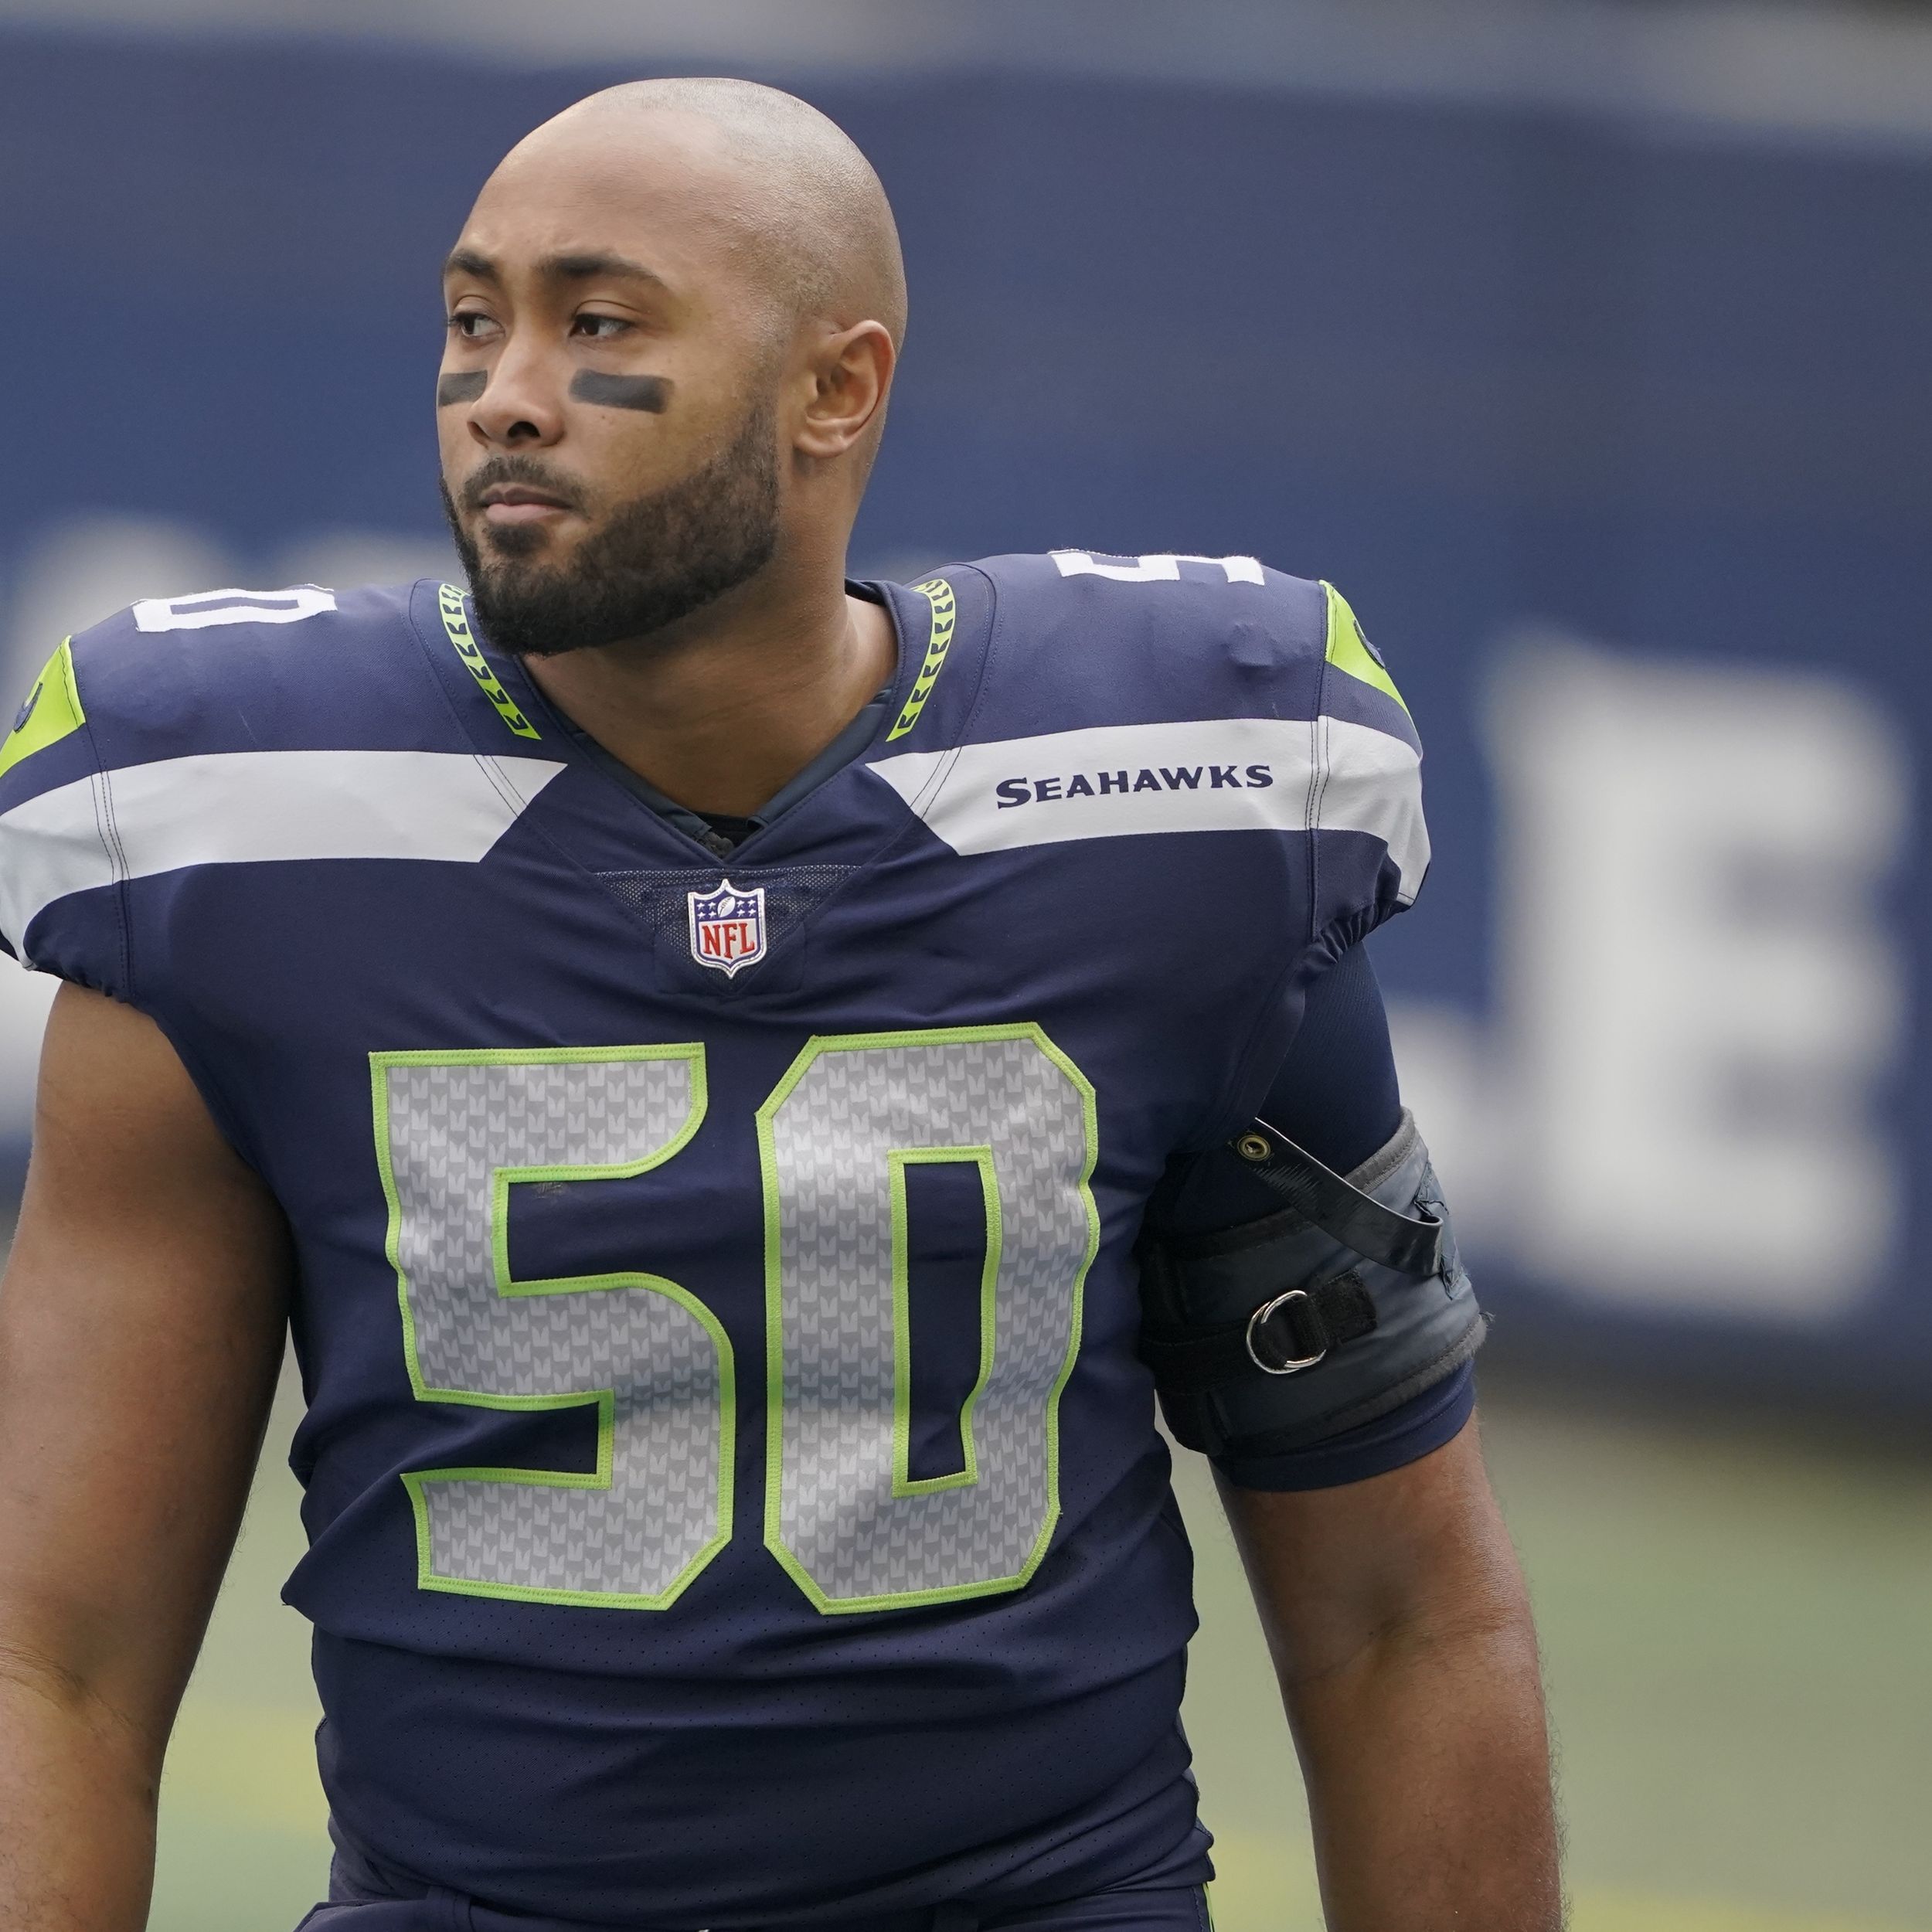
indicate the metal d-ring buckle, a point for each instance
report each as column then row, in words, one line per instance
column 1259, row 1319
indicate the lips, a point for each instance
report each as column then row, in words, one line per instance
column 507, row 506
column 517, row 495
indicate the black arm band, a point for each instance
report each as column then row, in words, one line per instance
column 1316, row 1319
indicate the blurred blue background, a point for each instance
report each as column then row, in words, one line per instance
column 1584, row 346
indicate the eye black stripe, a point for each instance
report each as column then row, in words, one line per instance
column 648, row 393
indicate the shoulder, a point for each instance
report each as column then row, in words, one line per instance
column 180, row 715
column 1166, row 694
column 302, row 668
column 1172, row 635
column 1074, row 573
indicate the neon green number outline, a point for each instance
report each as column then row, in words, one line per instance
column 897, row 1160
column 604, row 1400
column 774, row 1328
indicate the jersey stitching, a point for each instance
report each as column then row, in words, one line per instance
column 993, row 639
column 504, row 785
column 929, row 792
column 214, row 1094
column 1218, row 1116
column 567, row 858
column 109, row 834
column 1320, row 751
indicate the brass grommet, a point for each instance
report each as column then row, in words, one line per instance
column 1254, row 1146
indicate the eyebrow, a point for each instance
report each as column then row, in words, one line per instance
column 586, row 267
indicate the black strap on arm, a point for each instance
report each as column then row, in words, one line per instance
column 1282, row 1337
column 1328, row 1311
column 1340, row 1209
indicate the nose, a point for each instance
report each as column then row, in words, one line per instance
column 521, row 406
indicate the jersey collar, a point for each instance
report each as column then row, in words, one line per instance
column 831, row 811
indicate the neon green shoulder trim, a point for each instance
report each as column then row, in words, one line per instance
column 52, row 711
column 939, row 594
column 1348, row 650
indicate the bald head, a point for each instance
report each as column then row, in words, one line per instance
column 673, row 318
column 787, row 184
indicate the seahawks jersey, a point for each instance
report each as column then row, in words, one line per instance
column 732, row 1494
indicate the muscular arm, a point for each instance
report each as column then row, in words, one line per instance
column 141, row 1324
column 1396, row 1614
column 1386, row 1584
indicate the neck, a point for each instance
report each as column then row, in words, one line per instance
column 721, row 710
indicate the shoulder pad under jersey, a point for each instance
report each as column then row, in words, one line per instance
column 228, row 726
column 1169, row 692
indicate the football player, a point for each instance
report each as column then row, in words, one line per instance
column 743, row 1085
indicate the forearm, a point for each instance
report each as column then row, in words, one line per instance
column 1400, row 1629
column 1428, row 1776
column 77, row 1795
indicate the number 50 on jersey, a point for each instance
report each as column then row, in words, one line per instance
column 456, row 1133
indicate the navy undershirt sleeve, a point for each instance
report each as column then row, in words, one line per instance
column 1336, row 1096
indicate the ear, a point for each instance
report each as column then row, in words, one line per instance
column 851, row 372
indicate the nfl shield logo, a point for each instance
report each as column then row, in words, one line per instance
column 728, row 927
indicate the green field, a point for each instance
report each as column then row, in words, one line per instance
column 1735, row 1627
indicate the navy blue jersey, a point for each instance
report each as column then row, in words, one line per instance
column 733, row 1495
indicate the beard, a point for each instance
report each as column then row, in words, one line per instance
column 652, row 561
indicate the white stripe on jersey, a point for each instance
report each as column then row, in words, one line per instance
column 1221, row 774
column 238, row 808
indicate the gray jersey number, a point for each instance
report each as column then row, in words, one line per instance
column 853, row 1532
column 458, row 1132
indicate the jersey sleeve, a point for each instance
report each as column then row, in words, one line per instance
column 1371, row 839
column 1415, row 1428
column 60, row 907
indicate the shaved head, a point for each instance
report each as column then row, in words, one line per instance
column 808, row 209
column 673, row 314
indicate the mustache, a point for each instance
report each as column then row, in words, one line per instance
column 510, row 468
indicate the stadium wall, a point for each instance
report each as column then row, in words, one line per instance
column 1612, row 425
